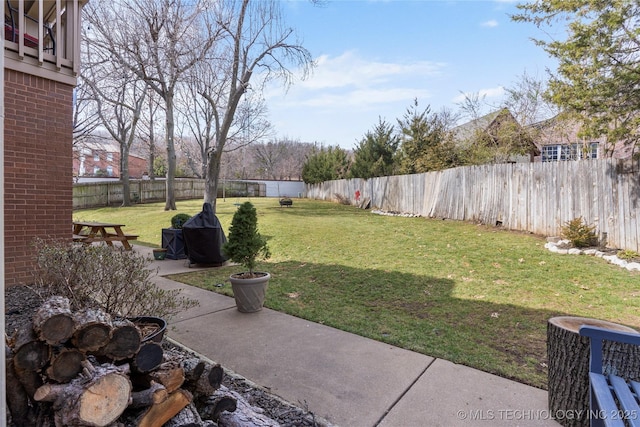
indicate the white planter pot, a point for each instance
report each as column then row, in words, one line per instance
column 250, row 293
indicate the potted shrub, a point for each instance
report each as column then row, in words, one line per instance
column 172, row 239
column 245, row 246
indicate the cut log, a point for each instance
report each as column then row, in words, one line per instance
column 216, row 404
column 30, row 354
column 148, row 357
column 97, row 397
column 66, row 364
column 162, row 412
column 125, row 341
column 201, row 378
column 30, row 380
column 93, row 330
column 568, row 356
column 53, row 322
column 245, row 414
column 209, row 381
column 17, row 398
column 156, row 393
column 169, row 374
column 193, row 368
column 189, row 417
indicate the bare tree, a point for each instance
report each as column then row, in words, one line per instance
column 527, row 101
column 254, row 40
column 159, row 41
column 151, row 129
column 269, row 157
column 119, row 97
column 203, row 120
column 85, row 116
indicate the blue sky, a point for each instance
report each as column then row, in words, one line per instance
column 376, row 56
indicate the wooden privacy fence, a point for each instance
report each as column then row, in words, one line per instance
column 535, row 197
column 89, row 195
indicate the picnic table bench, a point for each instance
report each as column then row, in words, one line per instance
column 613, row 400
column 89, row 232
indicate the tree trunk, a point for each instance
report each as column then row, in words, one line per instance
column 170, row 203
column 124, row 174
column 212, row 177
column 53, row 322
column 93, row 330
column 98, row 397
column 568, row 355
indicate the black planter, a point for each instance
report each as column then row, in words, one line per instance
column 173, row 242
column 151, row 323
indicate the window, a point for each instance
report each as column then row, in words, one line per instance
column 562, row 152
column 109, row 170
column 96, row 169
column 96, row 157
column 550, row 153
column 110, row 157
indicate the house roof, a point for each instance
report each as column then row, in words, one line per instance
column 467, row 130
column 559, row 130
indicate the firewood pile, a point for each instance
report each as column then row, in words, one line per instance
column 86, row 369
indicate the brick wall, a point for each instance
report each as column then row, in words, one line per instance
column 37, row 169
column 137, row 165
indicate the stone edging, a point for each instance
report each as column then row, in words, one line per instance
column 554, row 246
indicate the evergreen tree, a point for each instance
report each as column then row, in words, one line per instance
column 427, row 143
column 599, row 65
column 325, row 164
column 375, row 153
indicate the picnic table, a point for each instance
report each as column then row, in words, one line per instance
column 89, row 232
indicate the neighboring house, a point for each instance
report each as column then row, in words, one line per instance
column 496, row 125
column 41, row 63
column 103, row 160
column 558, row 140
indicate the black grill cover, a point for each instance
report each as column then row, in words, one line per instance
column 204, row 237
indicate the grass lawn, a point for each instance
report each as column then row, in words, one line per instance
column 471, row 294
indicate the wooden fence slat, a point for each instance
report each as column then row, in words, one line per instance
column 535, row 197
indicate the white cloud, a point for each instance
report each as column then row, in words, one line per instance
column 496, row 92
column 348, row 81
column 364, row 98
column 490, row 24
column 349, row 69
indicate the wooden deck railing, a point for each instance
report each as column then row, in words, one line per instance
column 43, row 37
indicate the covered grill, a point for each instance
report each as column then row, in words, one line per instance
column 204, row 237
